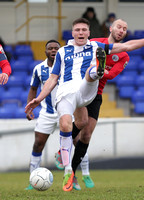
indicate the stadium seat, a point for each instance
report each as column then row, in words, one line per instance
column 139, row 107
column 126, row 80
column 139, row 34
column 20, row 113
column 23, row 97
column 7, row 113
column 32, row 65
column 132, row 64
column 139, row 81
column 133, row 73
column 138, row 96
column 8, row 48
column 22, row 50
column 11, row 95
column 135, row 52
column 141, row 67
column 27, row 82
column 67, row 35
column 114, row 80
column 15, row 81
column 23, row 74
column 19, row 65
column 126, row 91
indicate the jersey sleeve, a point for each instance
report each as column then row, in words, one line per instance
column 106, row 47
column 117, row 68
column 4, row 64
column 57, row 64
column 35, row 81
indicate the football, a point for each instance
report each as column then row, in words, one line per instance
column 41, row 179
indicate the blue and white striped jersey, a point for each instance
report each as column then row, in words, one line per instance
column 71, row 64
column 41, row 73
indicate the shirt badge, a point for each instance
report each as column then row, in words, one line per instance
column 115, row 58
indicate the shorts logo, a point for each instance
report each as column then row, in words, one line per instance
column 115, row 58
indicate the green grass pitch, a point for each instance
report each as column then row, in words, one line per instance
column 109, row 185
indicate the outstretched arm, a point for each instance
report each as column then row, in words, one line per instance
column 48, row 87
column 127, row 46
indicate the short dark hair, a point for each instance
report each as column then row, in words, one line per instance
column 81, row 20
column 50, row 41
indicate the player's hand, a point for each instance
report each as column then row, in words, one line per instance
column 30, row 116
column 106, row 71
column 3, row 78
column 31, row 105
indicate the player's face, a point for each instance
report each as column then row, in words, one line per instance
column 80, row 33
column 119, row 30
column 51, row 50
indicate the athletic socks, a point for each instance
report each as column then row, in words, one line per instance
column 35, row 161
column 66, row 147
column 85, row 165
column 80, row 151
column 75, row 131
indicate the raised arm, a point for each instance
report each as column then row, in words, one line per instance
column 127, row 46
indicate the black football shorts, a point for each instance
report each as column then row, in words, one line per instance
column 94, row 107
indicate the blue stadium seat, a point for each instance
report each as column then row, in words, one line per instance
column 139, row 34
column 32, row 65
column 11, row 95
column 20, row 113
column 141, row 66
column 114, row 80
column 126, row 91
column 138, row 96
column 19, row 65
column 67, row 35
column 126, row 80
column 139, row 108
column 23, row 50
column 11, row 105
column 23, row 97
column 15, row 81
column 8, row 48
column 23, row 74
column 133, row 73
column 139, row 81
column 27, row 82
column 136, row 52
column 132, row 66
column 7, row 113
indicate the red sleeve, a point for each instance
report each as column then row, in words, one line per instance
column 117, row 68
column 5, row 66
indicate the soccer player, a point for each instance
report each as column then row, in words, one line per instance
column 48, row 118
column 5, row 67
column 115, row 64
column 80, row 65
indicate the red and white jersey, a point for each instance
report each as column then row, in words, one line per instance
column 4, row 64
column 115, row 63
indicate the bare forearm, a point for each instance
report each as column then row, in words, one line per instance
column 127, row 46
column 48, row 87
column 32, row 94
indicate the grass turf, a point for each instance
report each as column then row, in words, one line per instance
column 109, row 185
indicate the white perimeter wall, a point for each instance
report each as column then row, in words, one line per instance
column 126, row 139
column 45, row 29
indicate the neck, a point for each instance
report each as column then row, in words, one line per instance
column 49, row 63
column 111, row 39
